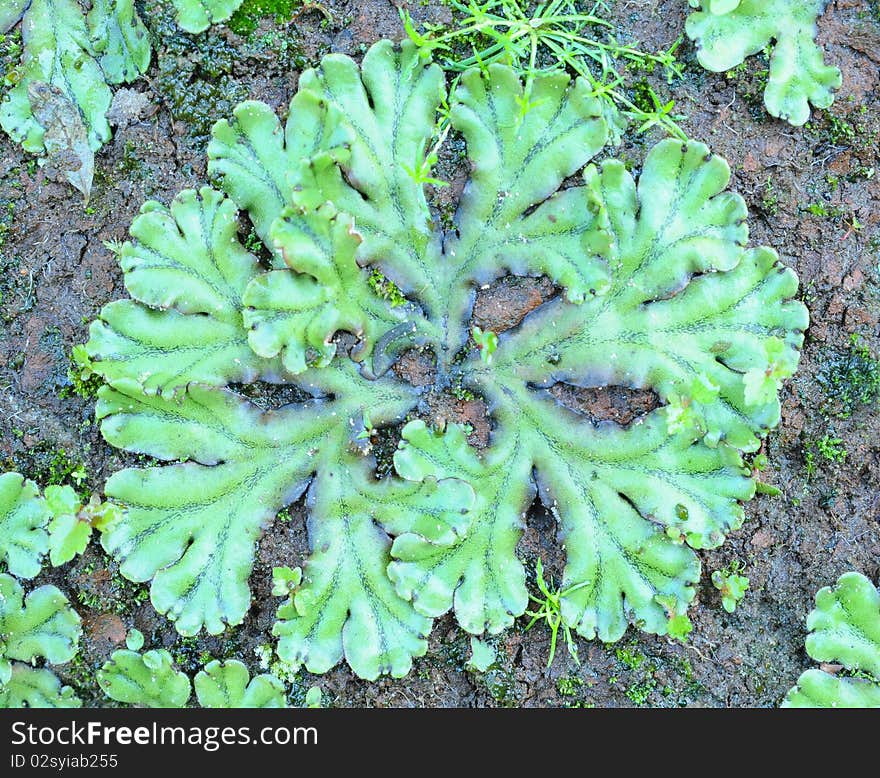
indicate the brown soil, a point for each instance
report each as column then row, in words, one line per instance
column 57, row 273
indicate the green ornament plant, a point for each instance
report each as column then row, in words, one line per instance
column 61, row 94
column 844, row 630
column 728, row 31
column 40, row 626
column 660, row 292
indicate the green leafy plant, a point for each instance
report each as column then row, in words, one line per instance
column 483, row 655
column 58, row 523
column 545, row 37
column 73, row 521
column 41, row 626
column 660, row 292
column 23, row 519
column 197, row 15
column 844, row 631
column 728, row 31
column 150, row 680
column 732, row 586
column 61, row 93
column 550, row 612
column 229, row 685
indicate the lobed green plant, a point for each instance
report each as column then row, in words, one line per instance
column 197, row 15
column 660, row 292
column 728, row 31
column 58, row 523
column 40, row 626
column 61, row 91
column 150, row 680
column 844, row 630
column 23, row 519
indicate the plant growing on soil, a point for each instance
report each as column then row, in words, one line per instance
column 732, row 586
column 58, row 523
column 23, row 519
column 197, row 15
column 728, row 31
column 548, row 37
column 73, row 521
column 41, row 626
column 149, row 680
column 660, row 292
column 61, row 94
column 845, row 636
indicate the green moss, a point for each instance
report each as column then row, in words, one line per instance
column 770, row 200
column 386, row 289
column 831, row 449
column 750, row 81
column 245, row 20
column 569, row 685
column 629, row 656
column 48, row 465
column 850, row 379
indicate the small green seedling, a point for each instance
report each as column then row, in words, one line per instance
column 550, row 610
column 72, row 523
column 285, row 580
column 731, row 585
column 487, row 343
column 482, row 655
column 134, row 640
column 314, row 698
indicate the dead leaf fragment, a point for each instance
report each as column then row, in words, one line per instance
column 66, row 138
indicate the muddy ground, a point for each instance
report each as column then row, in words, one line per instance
column 814, row 195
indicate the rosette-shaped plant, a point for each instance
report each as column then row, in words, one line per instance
column 659, row 291
column 728, row 31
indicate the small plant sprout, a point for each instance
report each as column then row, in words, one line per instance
column 72, row 523
column 134, row 640
column 680, row 627
column 732, row 586
column 368, row 431
column 420, row 172
column 285, row 580
column 550, row 611
column 763, row 383
column 759, row 463
column 482, row 655
column 314, row 697
column 487, row 343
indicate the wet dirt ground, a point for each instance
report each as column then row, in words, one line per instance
column 813, row 195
